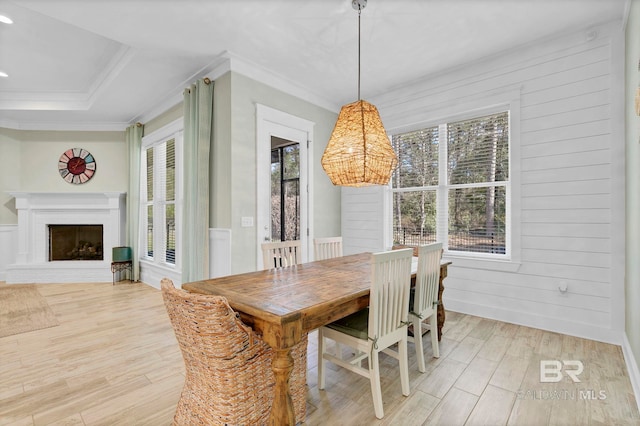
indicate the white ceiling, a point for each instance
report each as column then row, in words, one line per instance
column 102, row 64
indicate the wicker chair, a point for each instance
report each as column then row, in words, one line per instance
column 229, row 380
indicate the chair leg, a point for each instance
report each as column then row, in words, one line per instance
column 417, row 341
column 321, row 360
column 403, row 358
column 434, row 334
column 374, row 377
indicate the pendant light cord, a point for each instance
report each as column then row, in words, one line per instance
column 359, row 12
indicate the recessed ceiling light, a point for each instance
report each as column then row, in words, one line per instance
column 3, row 74
column 5, row 19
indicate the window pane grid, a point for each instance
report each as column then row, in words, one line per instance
column 414, row 217
column 161, row 188
column 478, row 149
column 477, row 220
column 464, row 197
column 285, row 193
column 170, row 168
column 150, row 174
column 170, row 233
column 417, row 153
column 150, row 231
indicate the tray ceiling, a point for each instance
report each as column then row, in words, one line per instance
column 102, row 64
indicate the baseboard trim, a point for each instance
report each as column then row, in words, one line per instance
column 528, row 319
column 632, row 368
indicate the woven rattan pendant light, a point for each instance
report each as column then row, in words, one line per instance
column 359, row 152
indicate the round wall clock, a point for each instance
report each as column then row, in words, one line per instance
column 76, row 165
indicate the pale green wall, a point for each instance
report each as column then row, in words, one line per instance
column 163, row 119
column 9, row 175
column 244, row 95
column 220, row 188
column 34, row 164
column 233, row 188
column 632, row 281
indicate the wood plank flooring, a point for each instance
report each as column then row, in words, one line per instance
column 114, row 360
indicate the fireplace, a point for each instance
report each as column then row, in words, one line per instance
column 75, row 242
column 67, row 237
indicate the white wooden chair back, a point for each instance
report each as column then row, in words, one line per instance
column 389, row 296
column 281, row 254
column 425, row 300
column 376, row 329
column 327, row 248
column 427, row 279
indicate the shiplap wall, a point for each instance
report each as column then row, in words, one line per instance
column 364, row 219
column 569, row 173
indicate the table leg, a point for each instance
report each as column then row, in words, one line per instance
column 441, row 315
column 441, row 319
column 282, row 410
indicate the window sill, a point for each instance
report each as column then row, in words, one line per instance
column 460, row 261
column 158, row 266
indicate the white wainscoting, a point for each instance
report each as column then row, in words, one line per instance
column 219, row 252
column 151, row 274
column 219, row 261
column 571, row 171
column 8, row 245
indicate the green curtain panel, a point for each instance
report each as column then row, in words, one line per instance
column 198, row 130
column 133, row 138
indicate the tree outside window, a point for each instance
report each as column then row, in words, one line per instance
column 461, row 201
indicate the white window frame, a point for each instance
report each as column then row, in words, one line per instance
column 174, row 130
column 460, row 111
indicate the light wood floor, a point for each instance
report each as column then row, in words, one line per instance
column 113, row 360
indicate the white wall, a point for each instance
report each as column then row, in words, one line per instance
column 631, row 346
column 572, row 182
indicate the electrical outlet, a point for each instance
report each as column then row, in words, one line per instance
column 247, row 221
column 563, row 286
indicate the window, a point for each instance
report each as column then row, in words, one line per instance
column 452, row 185
column 285, row 191
column 160, row 197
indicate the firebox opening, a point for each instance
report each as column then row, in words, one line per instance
column 75, row 242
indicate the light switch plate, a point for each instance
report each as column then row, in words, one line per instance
column 247, row 221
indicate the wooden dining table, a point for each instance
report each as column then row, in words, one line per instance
column 283, row 305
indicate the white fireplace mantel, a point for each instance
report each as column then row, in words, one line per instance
column 37, row 210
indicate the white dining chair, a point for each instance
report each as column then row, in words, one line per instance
column 376, row 328
column 281, row 254
column 327, row 247
column 423, row 302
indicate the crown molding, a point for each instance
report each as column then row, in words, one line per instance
column 69, row 100
column 223, row 63
column 219, row 66
column 57, row 126
column 117, row 64
column 264, row 75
